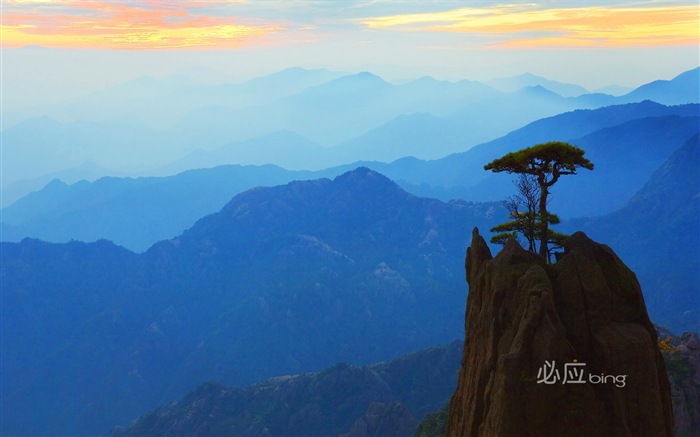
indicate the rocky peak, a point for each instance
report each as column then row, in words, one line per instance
column 558, row 350
column 365, row 179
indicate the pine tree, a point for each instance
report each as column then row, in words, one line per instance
column 546, row 163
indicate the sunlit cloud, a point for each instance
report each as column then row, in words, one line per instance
column 128, row 25
column 530, row 25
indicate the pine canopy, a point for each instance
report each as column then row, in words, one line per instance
column 555, row 157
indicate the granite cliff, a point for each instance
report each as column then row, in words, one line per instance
column 561, row 350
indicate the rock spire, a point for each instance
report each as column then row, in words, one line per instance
column 558, row 350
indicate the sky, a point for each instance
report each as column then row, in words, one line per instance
column 56, row 50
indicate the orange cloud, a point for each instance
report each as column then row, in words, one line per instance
column 524, row 25
column 124, row 25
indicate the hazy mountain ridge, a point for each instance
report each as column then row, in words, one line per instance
column 111, row 144
column 669, row 92
column 145, row 210
column 325, row 110
column 429, row 137
column 515, row 83
column 297, row 152
column 87, row 171
column 134, row 212
column 161, row 101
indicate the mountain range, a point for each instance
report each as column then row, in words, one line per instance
column 626, row 142
column 133, row 212
column 353, row 117
column 282, row 280
column 162, row 101
column 249, row 272
column 514, row 83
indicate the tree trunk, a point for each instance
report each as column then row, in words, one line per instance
column 544, row 222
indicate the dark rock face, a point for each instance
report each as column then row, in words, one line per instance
column 534, row 331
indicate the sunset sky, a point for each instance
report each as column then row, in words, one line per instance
column 55, row 49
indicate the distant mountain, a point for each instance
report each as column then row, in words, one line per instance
column 272, row 87
column 136, row 97
column 472, row 122
column 108, row 129
column 362, row 114
column 142, row 97
column 283, row 148
column 86, row 171
column 657, row 235
column 614, row 90
column 345, row 87
column 339, row 110
column 515, row 83
column 625, row 157
column 421, row 135
column 684, row 88
column 444, row 97
column 133, row 212
column 40, row 146
column 10, row 119
column 326, row 114
column 395, row 393
column 365, row 118
column 625, row 141
column 448, row 177
column 282, row 280
column 160, row 101
column 425, row 136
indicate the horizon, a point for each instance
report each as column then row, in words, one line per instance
column 57, row 51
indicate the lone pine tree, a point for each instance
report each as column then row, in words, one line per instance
column 547, row 163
